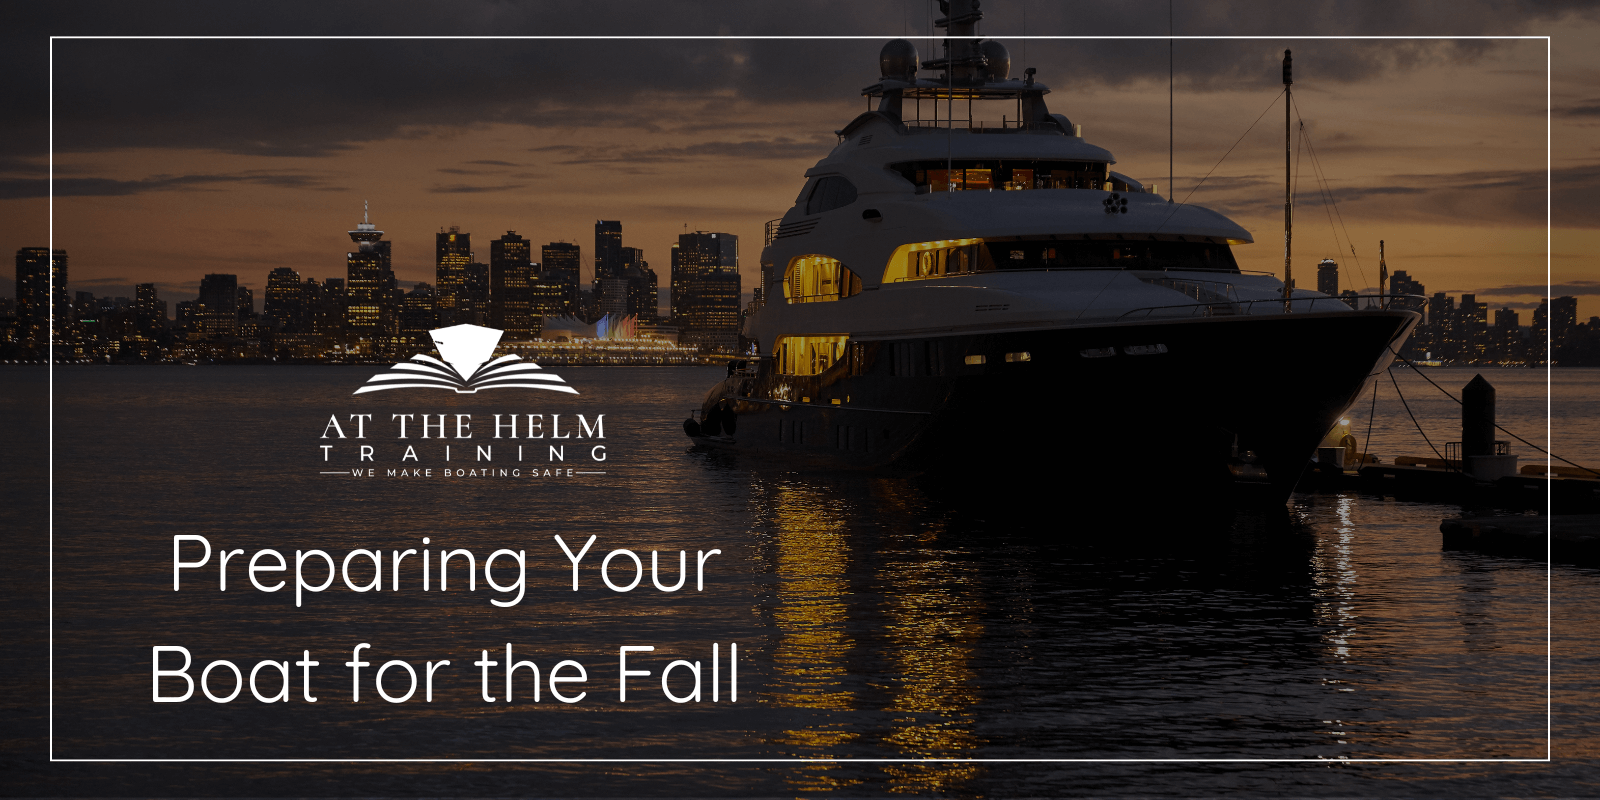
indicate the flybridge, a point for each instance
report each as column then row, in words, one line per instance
column 971, row 70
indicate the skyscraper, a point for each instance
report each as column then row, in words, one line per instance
column 371, row 320
column 1328, row 277
column 41, row 283
column 610, row 287
column 472, row 305
column 559, row 272
column 510, row 270
column 418, row 314
column 607, row 249
column 453, row 252
column 1472, row 329
column 706, row 290
column 285, row 300
column 1563, row 319
column 150, row 311
column 219, row 305
column 1402, row 284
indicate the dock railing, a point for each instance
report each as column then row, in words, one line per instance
column 1225, row 308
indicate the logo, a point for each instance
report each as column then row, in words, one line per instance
column 466, row 367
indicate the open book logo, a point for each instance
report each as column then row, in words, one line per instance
column 466, row 367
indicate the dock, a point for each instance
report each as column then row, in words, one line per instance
column 1481, row 475
column 1572, row 539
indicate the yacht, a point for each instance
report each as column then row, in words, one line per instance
column 962, row 296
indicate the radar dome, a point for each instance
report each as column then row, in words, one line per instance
column 898, row 60
column 999, row 59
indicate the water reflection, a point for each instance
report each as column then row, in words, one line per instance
column 885, row 617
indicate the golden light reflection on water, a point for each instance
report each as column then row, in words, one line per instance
column 934, row 611
column 811, row 614
column 931, row 611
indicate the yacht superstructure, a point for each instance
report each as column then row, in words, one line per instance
column 954, row 292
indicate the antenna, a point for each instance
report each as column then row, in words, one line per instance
column 1170, row 188
column 364, row 211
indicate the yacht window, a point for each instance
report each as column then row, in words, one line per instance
column 1009, row 175
column 809, row 355
column 815, row 279
column 830, row 193
column 962, row 256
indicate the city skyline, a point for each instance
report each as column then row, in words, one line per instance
column 1433, row 146
column 305, row 320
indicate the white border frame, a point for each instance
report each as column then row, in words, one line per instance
column 1549, row 716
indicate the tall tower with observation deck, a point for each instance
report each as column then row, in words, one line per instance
column 370, row 309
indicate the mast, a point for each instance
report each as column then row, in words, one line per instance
column 1383, row 277
column 1288, row 219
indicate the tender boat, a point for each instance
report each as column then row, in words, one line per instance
column 968, row 297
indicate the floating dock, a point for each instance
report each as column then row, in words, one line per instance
column 1573, row 539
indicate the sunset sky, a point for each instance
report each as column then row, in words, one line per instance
column 174, row 158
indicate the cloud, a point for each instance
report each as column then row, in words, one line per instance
column 321, row 97
column 1573, row 288
column 466, row 189
column 110, row 187
column 493, row 163
column 1514, row 197
column 781, row 147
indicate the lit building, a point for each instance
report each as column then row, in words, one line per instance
column 1563, row 319
column 559, row 271
column 1472, row 329
column 370, row 317
column 1401, row 283
column 285, row 300
column 189, row 313
column 607, row 249
column 245, row 302
column 472, row 305
column 706, row 290
column 452, row 254
column 419, row 314
column 41, row 284
column 510, row 270
column 1328, row 277
column 219, row 305
column 150, row 311
column 1507, row 337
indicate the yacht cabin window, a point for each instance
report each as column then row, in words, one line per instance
column 1008, row 174
column 925, row 260
column 809, row 355
column 831, row 192
column 817, row 279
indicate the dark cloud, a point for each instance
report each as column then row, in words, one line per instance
column 781, row 147
column 1590, row 109
column 1498, row 196
column 318, row 97
column 466, row 189
column 1573, row 288
column 108, row 187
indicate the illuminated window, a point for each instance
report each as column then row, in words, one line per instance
column 984, row 175
column 1074, row 251
column 937, row 259
column 1023, row 356
column 815, row 279
column 975, row 360
column 809, row 355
